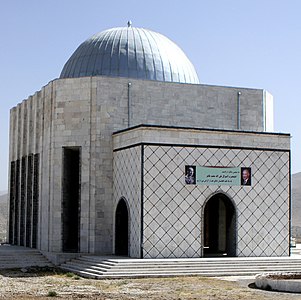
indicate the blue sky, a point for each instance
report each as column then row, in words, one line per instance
column 244, row 43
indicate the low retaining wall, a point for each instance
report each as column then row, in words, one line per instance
column 281, row 282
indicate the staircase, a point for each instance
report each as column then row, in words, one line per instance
column 104, row 268
column 16, row 257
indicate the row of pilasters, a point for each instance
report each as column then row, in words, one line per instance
column 24, row 201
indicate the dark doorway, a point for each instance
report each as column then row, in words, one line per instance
column 219, row 227
column 71, row 199
column 121, row 229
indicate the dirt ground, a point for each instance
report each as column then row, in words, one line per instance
column 33, row 284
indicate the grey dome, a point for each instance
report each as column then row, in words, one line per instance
column 130, row 52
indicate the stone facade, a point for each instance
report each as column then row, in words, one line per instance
column 82, row 114
column 262, row 210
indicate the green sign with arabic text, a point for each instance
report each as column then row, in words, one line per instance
column 218, row 176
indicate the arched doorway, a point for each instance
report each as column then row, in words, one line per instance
column 219, row 227
column 121, row 229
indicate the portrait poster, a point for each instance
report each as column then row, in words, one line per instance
column 190, row 174
column 245, row 178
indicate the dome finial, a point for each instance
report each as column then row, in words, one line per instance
column 129, row 23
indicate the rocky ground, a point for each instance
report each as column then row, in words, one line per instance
column 15, row 284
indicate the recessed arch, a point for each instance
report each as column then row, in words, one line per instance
column 219, row 226
column 122, row 228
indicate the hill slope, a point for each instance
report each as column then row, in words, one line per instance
column 3, row 216
column 296, row 199
column 296, row 206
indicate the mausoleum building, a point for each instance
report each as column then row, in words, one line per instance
column 127, row 153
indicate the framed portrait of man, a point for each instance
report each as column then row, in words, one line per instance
column 190, row 174
column 246, row 176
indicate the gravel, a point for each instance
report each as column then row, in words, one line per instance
column 41, row 284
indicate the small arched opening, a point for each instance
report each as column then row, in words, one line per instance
column 219, row 227
column 122, row 229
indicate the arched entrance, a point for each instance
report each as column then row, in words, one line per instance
column 121, row 229
column 219, row 227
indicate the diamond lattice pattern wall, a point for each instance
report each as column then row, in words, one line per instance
column 172, row 210
column 127, row 185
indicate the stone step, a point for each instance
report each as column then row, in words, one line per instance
column 6, row 265
column 24, row 265
column 25, row 256
column 12, row 257
column 19, row 254
column 190, row 270
column 96, row 267
column 192, row 265
column 205, row 258
column 111, row 261
column 9, row 252
column 180, row 268
column 142, row 265
column 90, row 274
column 83, row 273
column 186, row 265
column 39, row 260
column 80, row 265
